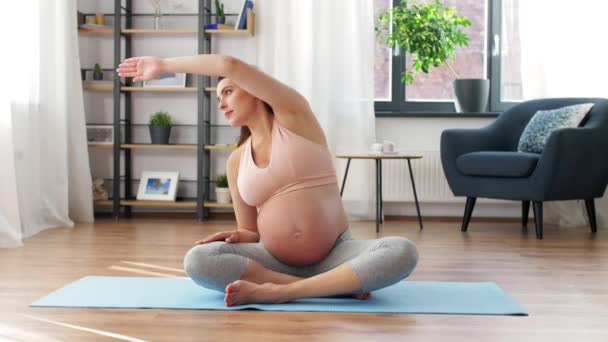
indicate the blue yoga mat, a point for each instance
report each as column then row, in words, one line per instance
column 472, row 298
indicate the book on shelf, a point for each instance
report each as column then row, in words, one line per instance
column 103, row 83
column 241, row 21
column 218, row 27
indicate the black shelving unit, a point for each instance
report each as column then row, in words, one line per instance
column 122, row 199
column 203, row 157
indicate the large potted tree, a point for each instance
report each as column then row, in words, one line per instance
column 429, row 33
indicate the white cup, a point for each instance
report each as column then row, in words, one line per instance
column 376, row 147
column 388, row 146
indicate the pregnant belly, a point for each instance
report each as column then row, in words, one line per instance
column 300, row 227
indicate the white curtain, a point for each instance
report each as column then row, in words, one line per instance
column 46, row 165
column 325, row 50
column 563, row 51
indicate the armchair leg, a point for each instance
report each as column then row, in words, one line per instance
column 468, row 211
column 538, row 218
column 590, row 205
column 525, row 210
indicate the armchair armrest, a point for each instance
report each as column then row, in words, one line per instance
column 455, row 142
column 574, row 164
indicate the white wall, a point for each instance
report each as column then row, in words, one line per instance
column 409, row 133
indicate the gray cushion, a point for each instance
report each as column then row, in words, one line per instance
column 544, row 122
column 497, row 163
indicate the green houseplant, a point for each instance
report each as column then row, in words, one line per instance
column 220, row 16
column 430, row 34
column 222, row 192
column 97, row 72
column 160, row 127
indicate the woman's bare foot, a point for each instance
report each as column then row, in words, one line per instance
column 243, row 292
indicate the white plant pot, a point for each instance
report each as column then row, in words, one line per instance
column 222, row 195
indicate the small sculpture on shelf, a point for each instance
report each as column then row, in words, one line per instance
column 158, row 15
column 160, row 128
column 222, row 192
column 99, row 191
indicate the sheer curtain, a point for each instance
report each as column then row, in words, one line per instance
column 325, row 50
column 47, row 165
column 563, row 52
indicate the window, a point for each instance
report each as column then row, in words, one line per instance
column 382, row 65
column 470, row 61
column 433, row 92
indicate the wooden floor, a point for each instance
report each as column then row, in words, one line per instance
column 562, row 281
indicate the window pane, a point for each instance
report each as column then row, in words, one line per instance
column 383, row 59
column 510, row 65
column 470, row 61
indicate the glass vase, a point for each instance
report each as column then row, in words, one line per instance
column 158, row 19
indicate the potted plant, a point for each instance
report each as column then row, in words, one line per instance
column 430, row 33
column 160, row 127
column 220, row 16
column 222, row 193
column 97, row 72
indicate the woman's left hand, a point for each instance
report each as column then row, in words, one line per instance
column 140, row 68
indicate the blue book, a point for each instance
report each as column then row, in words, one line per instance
column 216, row 26
column 241, row 21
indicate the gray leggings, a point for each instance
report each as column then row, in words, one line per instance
column 376, row 263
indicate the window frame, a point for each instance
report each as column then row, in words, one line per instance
column 399, row 106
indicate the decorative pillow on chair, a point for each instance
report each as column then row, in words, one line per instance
column 544, row 122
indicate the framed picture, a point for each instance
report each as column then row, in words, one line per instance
column 100, row 134
column 159, row 186
column 171, row 80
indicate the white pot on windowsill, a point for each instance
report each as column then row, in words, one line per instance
column 222, row 195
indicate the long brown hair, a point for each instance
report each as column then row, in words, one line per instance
column 245, row 132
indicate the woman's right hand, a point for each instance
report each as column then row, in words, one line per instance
column 140, row 68
column 234, row 236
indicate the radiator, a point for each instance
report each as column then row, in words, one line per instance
column 431, row 184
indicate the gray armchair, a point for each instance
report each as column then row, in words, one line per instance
column 573, row 165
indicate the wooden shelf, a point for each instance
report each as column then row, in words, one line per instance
column 220, row 147
column 139, row 31
column 217, row 205
column 93, row 145
column 159, row 147
column 153, row 31
column 97, row 88
column 248, row 31
column 136, row 203
column 179, row 204
column 142, row 89
column 96, row 31
column 165, row 147
column 154, row 89
column 111, row 87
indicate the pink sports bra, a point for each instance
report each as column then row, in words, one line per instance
column 295, row 163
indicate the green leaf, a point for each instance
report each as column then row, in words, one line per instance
column 428, row 32
column 160, row 118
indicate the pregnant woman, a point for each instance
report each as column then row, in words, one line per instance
column 293, row 238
